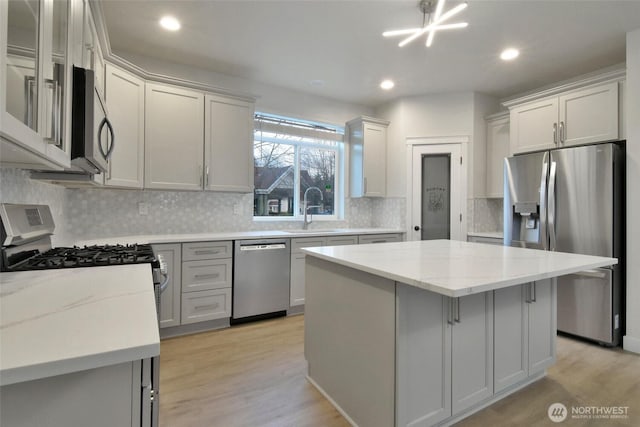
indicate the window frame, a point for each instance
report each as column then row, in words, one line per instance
column 339, row 165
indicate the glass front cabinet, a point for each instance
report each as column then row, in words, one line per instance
column 37, row 50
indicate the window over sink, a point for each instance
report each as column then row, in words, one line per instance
column 292, row 156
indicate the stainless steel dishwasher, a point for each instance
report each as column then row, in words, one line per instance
column 260, row 278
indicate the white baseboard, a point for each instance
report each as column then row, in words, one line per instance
column 630, row 343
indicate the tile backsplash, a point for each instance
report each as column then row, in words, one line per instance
column 89, row 213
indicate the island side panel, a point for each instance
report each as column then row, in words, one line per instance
column 350, row 340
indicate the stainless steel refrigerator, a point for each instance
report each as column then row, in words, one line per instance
column 572, row 200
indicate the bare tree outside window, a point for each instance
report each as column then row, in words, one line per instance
column 287, row 164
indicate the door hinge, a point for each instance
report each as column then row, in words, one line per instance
column 460, row 159
column 460, row 217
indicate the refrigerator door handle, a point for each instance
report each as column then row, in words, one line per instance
column 552, row 207
column 543, row 201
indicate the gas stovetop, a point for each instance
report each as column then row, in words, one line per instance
column 87, row 256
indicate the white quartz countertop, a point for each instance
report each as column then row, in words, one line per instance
column 455, row 268
column 239, row 235
column 54, row 322
column 489, row 234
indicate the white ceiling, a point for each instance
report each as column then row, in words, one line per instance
column 338, row 42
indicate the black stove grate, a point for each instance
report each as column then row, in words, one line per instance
column 88, row 256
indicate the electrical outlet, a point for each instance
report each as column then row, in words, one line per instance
column 143, row 208
column 237, row 209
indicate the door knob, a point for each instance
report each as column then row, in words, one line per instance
column 417, row 228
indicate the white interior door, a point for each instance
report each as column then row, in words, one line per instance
column 437, row 196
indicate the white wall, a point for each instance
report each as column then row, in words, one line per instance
column 450, row 114
column 632, row 337
column 271, row 99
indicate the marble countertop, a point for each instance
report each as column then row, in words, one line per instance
column 489, row 234
column 239, row 235
column 455, row 268
column 55, row 322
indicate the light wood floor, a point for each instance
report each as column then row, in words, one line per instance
column 254, row 375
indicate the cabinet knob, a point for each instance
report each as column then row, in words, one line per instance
column 416, row 228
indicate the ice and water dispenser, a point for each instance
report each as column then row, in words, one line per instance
column 525, row 182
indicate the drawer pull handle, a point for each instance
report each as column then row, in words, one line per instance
column 207, row 252
column 207, row 276
column 201, row 307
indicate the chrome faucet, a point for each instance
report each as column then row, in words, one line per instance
column 306, row 208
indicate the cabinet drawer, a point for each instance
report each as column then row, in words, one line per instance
column 201, row 306
column 379, row 238
column 307, row 242
column 490, row 240
column 206, row 250
column 342, row 240
column 208, row 274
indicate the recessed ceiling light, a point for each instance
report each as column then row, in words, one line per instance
column 509, row 54
column 387, row 84
column 170, row 23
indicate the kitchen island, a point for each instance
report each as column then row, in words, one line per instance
column 428, row 332
column 76, row 346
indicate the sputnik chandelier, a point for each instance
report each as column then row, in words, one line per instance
column 430, row 25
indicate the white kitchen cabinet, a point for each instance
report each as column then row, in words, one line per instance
column 207, row 279
column 170, row 299
column 497, row 150
column 125, row 103
column 367, row 140
column 174, row 140
column 447, row 367
column 206, row 274
column 101, row 397
column 577, row 117
column 35, row 55
column 92, row 58
column 228, row 147
column 201, row 306
column 525, row 331
column 342, row 240
column 379, row 238
column 296, row 280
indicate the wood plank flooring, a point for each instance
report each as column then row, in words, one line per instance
column 254, row 375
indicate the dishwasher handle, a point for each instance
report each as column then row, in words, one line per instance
column 262, row 247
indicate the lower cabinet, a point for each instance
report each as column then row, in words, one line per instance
column 201, row 306
column 444, row 359
column 379, row 238
column 206, row 281
column 170, row 298
column 296, row 282
column 297, row 261
column 101, row 397
column 525, row 331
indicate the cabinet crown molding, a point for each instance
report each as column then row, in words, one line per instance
column 616, row 73
column 368, row 120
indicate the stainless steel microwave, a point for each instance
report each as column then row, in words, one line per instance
column 92, row 135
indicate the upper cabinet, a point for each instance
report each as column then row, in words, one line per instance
column 367, row 139
column 174, row 138
column 92, row 58
column 497, row 150
column 577, row 117
column 228, row 146
column 125, row 103
column 35, row 82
